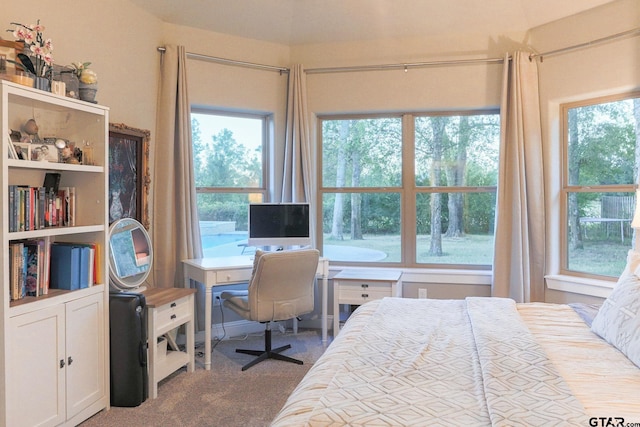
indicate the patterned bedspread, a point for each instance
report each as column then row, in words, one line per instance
column 407, row 362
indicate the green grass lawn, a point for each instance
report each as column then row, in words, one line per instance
column 470, row 249
column 600, row 257
column 606, row 257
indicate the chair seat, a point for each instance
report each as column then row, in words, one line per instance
column 238, row 301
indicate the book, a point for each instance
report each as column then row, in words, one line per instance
column 12, row 201
column 97, row 266
column 65, row 266
column 51, row 181
column 85, row 260
column 32, row 268
column 72, row 206
column 17, row 275
column 45, row 247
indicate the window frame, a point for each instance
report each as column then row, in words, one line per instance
column 566, row 188
column 266, row 124
column 408, row 190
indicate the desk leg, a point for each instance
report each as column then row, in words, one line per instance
column 191, row 335
column 191, row 327
column 207, row 328
column 325, row 300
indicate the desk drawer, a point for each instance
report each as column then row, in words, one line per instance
column 359, row 296
column 172, row 315
column 233, row 276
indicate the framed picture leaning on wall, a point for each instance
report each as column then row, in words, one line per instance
column 129, row 177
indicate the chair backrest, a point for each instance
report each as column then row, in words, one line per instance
column 282, row 284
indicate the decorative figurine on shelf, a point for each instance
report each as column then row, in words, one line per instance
column 31, row 130
column 68, row 153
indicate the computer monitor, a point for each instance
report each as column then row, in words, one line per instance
column 279, row 224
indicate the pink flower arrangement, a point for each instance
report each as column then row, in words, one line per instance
column 40, row 47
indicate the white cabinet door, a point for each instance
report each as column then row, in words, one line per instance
column 36, row 368
column 85, row 353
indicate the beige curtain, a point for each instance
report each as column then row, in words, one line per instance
column 297, row 173
column 297, row 181
column 175, row 229
column 518, row 264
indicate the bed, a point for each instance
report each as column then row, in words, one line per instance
column 478, row 361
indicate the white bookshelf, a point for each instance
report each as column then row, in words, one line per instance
column 54, row 348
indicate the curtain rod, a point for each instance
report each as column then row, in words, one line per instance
column 404, row 66
column 225, row 61
column 629, row 33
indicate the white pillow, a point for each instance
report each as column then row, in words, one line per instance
column 618, row 320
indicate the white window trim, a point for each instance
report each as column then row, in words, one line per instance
column 580, row 285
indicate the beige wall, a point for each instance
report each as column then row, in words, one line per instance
column 118, row 39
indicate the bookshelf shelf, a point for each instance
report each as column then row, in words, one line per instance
column 51, row 166
column 58, row 325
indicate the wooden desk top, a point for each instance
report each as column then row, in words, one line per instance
column 156, row 297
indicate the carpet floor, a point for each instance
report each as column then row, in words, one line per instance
column 224, row 396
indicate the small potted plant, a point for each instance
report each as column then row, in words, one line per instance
column 88, row 79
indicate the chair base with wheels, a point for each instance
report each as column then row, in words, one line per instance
column 268, row 352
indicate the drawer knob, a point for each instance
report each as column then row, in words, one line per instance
column 173, row 316
column 364, row 285
column 365, row 295
column 173, row 304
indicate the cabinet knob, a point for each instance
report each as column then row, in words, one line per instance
column 173, row 304
column 61, row 363
column 365, row 295
column 173, row 316
column 364, row 285
column 69, row 361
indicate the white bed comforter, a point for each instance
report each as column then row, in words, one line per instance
column 403, row 362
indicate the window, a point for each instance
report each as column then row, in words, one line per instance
column 599, row 179
column 229, row 164
column 409, row 189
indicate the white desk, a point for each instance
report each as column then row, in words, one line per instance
column 232, row 270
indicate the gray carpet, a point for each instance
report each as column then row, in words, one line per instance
column 224, row 396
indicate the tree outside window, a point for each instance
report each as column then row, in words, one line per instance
column 408, row 189
column 229, row 165
column 600, row 175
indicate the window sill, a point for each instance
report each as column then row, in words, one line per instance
column 580, row 285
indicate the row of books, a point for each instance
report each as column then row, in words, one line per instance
column 28, row 268
column 37, row 265
column 34, row 208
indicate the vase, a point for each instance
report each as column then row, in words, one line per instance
column 87, row 92
column 42, row 83
column 70, row 79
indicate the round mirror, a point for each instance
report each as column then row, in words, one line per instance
column 130, row 254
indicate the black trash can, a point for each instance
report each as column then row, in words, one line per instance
column 128, row 339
